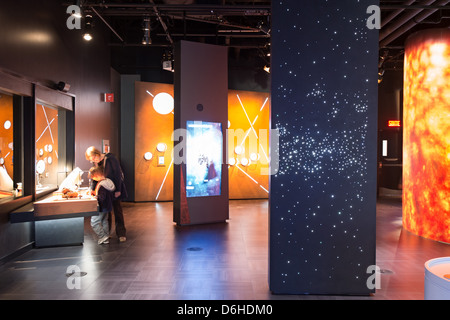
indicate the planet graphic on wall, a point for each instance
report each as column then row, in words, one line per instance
column 163, row 103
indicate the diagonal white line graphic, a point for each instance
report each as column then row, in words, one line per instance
column 237, row 166
column 264, row 104
column 251, row 125
column 47, row 127
column 48, row 124
column 264, row 153
column 164, row 180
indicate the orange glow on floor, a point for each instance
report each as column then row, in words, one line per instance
column 426, row 122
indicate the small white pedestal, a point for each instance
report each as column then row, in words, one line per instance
column 437, row 279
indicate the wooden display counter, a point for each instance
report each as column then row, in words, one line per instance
column 57, row 221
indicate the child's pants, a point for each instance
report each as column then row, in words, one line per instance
column 100, row 224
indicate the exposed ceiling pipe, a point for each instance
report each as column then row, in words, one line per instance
column 217, row 22
column 163, row 24
column 239, row 9
column 404, row 19
column 107, row 24
column 395, row 13
column 409, row 25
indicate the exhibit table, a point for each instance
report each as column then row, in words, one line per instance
column 57, row 221
column 437, row 279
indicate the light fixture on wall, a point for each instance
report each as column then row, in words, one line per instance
column 88, row 28
column 254, row 156
column 161, row 147
column 7, row 124
column 245, row 162
column 238, row 149
column 148, row 156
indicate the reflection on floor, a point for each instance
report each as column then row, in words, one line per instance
column 218, row 261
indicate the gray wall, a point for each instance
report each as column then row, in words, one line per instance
column 127, row 131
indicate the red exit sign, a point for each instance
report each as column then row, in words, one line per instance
column 108, row 97
column 394, row 123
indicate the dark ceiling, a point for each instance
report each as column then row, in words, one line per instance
column 246, row 24
column 400, row 19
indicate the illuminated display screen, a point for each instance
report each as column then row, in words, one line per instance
column 204, row 153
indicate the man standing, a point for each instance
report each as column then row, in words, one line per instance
column 113, row 171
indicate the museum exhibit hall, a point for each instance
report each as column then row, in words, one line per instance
column 223, row 150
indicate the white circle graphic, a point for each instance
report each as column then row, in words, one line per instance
column 163, row 103
column 7, row 124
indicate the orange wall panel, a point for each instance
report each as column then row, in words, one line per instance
column 153, row 181
column 247, row 111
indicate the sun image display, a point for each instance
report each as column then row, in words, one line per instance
column 204, row 154
column 426, row 158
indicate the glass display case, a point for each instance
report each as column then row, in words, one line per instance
column 47, row 147
column 6, row 148
column 53, row 146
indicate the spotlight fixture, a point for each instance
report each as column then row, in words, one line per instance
column 62, row 86
column 267, row 68
column 146, row 40
column 87, row 36
column 168, row 61
column 88, row 28
column 380, row 75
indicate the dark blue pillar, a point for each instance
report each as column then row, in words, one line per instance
column 324, row 103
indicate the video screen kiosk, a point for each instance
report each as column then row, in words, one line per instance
column 203, row 175
column 201, row 115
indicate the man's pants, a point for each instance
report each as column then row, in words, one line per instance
column 118, row 219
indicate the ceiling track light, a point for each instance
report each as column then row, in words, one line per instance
column 146, row 40
column 87, row 28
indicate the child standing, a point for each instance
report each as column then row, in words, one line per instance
column 104, row 193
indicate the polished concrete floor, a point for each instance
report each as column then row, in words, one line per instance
column 211, row 262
